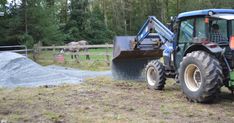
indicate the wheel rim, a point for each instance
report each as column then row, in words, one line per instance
column 192, row 77
column 151, row 76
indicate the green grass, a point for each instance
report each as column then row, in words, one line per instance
column 96, row 62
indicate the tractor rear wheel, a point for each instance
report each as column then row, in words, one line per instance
column 155, row 75
column 200, row 75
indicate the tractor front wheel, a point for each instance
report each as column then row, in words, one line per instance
column 200, row 75
column 155, row 75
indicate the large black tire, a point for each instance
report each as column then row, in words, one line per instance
column 155, row 75
column 200, row 75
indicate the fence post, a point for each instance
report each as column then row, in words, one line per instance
column 87, row 53
column 54, row 54
column 35, row 51
column 53, row 48
column 39, row 44
column 107, row 55
column 77, row 56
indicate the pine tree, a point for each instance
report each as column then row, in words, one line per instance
column 40, row 23
column 96, row 30
column 76, row 24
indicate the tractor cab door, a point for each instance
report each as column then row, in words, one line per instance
column 189, row 31
column 184, row 37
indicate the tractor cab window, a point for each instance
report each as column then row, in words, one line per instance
column 200, row 28
column 186, row 31
column 218, row 31
column 232, row 27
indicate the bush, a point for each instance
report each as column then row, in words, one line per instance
column 27, row 40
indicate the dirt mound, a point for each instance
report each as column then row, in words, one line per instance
column 17, row 70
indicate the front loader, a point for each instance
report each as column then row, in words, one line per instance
column 198, row 52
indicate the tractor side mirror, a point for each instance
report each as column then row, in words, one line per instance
column 232, row 42
column 1, row 13
column 173, row 19
column 171, row 24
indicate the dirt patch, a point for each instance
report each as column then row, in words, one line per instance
column 105, row 100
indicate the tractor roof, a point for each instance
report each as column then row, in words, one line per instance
column 205, row 12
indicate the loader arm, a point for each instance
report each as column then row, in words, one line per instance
column 132, row 53
column 153, row 24
column 166, row 36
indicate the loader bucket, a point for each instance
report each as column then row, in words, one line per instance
column 129, row 63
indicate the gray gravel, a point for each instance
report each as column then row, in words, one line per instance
column 19, row 71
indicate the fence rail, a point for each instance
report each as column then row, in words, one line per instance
column 87, row 55
column 22, row 49
column 67, row 47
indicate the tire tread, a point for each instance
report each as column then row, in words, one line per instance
column 160, row 68
column 213, row 73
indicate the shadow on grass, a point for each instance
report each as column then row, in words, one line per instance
column 226, row 96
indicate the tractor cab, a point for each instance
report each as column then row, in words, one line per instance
column 210, row 31
column 215, row 28
column 207, row 30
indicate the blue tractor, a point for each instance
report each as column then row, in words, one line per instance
column 197, row 51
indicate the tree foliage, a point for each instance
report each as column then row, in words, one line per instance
column 97, row 21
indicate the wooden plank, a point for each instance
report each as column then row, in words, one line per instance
column 16, row 51
column 14, row 46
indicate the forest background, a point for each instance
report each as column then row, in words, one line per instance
column 97, row 21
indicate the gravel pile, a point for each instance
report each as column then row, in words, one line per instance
column 19, row 71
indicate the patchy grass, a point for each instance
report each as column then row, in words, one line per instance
column 88, row 65
column 104, row 100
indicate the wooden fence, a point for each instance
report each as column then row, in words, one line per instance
column 22, row 49
column 63, row 56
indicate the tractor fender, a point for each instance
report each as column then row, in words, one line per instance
column 211, row 48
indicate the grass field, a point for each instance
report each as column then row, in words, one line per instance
column 104, row 100
column 97, row 62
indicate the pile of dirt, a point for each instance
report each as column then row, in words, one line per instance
column 17, row 70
